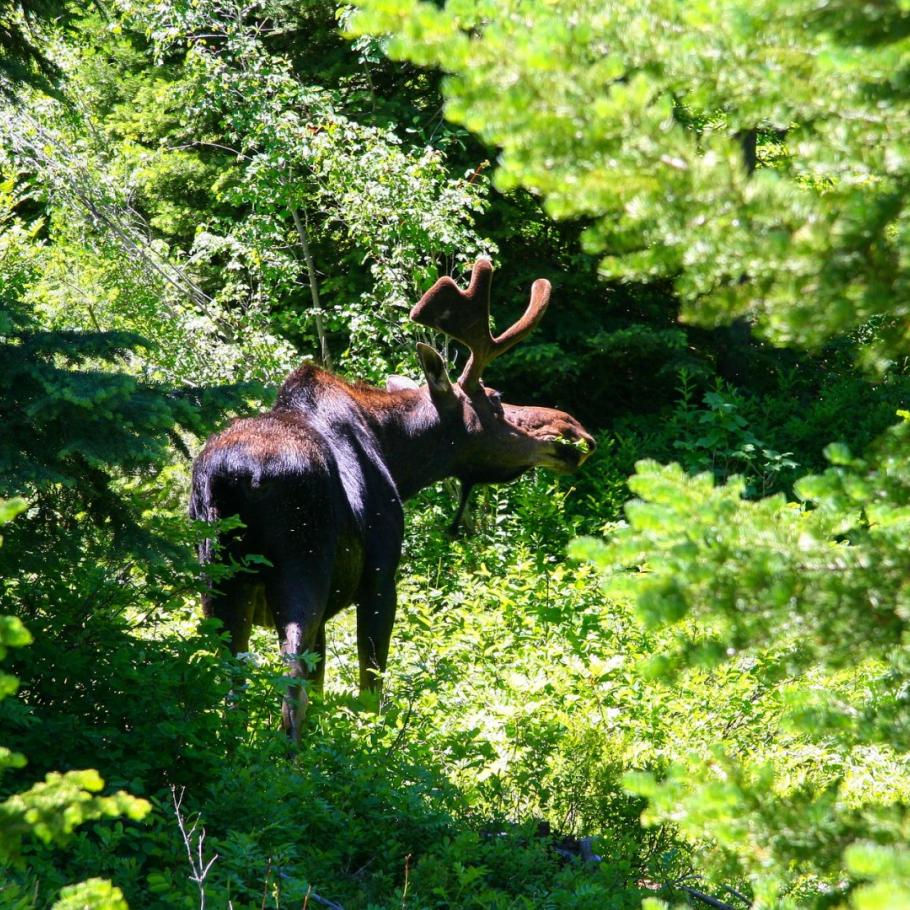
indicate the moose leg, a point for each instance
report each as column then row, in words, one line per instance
column 233, row 605
column 320, row 649
column 298, row 609
column 295, row 701
column 375, row 618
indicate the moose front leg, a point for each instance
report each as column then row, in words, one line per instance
column 375, row 618
column 319, row 647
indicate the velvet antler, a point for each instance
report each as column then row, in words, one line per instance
column 465, row 316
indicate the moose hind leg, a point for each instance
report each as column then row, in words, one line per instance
column 298, row 606
column 233, row 605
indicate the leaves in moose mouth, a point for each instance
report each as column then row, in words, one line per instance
column 572, row 451
column 582, row 445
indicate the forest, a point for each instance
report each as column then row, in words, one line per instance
column 677, row 678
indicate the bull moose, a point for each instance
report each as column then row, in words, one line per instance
column 319, row 481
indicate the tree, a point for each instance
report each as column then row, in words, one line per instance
column 75, row 424
column 635, row 115
column 50, row 810
column 22, row 59
column 756, row 155
column 305, row 193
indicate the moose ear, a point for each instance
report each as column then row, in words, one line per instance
column 400, row 384
column 434, row 369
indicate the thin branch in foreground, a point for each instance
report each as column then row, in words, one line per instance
column 199, row 866
column 706, row 898
column 312, row 895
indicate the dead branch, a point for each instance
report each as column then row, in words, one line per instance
column 199, row 866
column 312, row 895
column 706, row 898
column 738, row 894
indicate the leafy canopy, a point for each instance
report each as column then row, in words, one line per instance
column 756, row 155
column 635, row 115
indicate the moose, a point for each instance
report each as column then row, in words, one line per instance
column 319, row 481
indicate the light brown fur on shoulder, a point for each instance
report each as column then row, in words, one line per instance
column 308, row 385
column 267, row 437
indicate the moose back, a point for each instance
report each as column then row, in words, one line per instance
column 319, row 481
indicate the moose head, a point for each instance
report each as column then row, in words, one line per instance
column 507, row 439
column 492, row 441
column 319, row 481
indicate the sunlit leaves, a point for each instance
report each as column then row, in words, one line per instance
column 302, row 165
column 53, row 808
column 820, row 589
column 890, row 866
column 93, row 894
column 635, row 114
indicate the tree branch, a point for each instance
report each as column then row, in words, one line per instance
column 314, row 285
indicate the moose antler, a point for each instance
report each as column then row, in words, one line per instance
column 465, row 316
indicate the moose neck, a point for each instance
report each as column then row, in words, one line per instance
column 419, row 448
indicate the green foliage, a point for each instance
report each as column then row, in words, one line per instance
column 265, row 211
column 223, row 185
column 74, row 425
column 442, row 779
column 717, row 438
column 754, row 155
column 635, row 115
column 22, row 58
column 51, row 810
column 93, row 894
column 81, row 440
column 789, row 588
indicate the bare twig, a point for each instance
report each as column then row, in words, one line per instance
column 311, row 894
column 265, row 885
column 407, row 873
column 198, row 864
